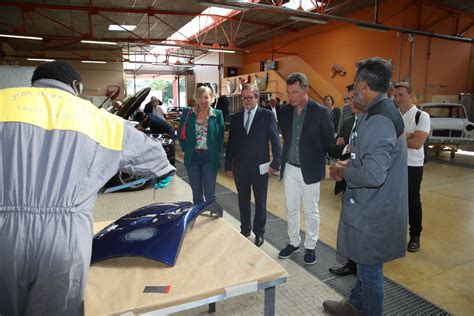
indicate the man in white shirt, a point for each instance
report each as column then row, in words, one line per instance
column 417, row 128
column 274, row 107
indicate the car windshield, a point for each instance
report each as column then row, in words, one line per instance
column 446, row 111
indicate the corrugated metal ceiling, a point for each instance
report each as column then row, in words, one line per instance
column 63, row 24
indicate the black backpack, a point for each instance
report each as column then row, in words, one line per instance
column 425, row 144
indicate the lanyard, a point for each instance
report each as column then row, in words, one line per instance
column 353, row 134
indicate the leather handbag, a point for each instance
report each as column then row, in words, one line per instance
column 182, row 135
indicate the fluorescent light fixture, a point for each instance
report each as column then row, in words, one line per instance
column 98, row 42
column 93, row 62
column 122, row 27
column 370, row 27
column 165, row 46
column 307, row 19
column 223, row 5
column 40, row 59
column 22, row 37
column 221, row 51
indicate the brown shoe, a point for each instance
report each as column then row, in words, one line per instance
column 342, row 308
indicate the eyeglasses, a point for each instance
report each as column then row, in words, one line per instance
column 247, row 98
column 349, row 98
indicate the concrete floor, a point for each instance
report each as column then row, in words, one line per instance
column 441, row 272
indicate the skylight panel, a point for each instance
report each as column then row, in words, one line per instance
column 307, row 5
column 199, row 23
column 122, row 27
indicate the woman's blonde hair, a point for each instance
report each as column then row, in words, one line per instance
column 200, row 91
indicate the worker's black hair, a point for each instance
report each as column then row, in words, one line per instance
column 376, row 72
column 139, row 116
column 57, row 70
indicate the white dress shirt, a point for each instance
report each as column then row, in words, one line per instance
column 252, row 116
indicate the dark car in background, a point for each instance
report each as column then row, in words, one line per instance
column 129, row 107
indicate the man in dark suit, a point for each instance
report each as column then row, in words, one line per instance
column 307, row 131
column 346, row 109
column 340, row 149
column 251, row 132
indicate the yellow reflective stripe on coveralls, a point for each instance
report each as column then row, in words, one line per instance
column 54, row 109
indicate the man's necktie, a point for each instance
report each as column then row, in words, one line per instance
column 247, row 122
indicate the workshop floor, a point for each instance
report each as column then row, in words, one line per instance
column 442, row 271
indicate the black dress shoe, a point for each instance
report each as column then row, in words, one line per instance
column 414, row 244
column 245, row 234
column 259, row 240
column 342, row 271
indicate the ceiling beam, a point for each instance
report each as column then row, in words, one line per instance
column 466, row 28
column 449, row 9
column 115, row 23
column 57, row 22
column 258, row 34
column 95, row 10
column 268, row 8
column 171, row 27
column 262, row 24
column 440, row 19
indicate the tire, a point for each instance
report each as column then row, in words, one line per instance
column 123, row 178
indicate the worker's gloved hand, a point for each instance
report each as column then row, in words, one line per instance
column 160, row 183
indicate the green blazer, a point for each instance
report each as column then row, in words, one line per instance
column 215, row 137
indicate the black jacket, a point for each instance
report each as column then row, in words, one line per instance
column 317, row 134
column 335, row 151
column 277, row 108
column 244, row 152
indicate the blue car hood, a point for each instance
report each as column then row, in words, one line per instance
column 155, row 231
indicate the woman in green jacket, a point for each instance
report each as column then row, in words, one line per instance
column 202, row 144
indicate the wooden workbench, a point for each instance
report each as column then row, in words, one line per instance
column 215, row 262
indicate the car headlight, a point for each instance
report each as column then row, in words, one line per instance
column 469, row 127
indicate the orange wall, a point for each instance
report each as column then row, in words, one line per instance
column 322, row 46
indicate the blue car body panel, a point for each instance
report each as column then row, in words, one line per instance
column 155, row 231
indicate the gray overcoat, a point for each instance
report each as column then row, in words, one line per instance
column 373, row 223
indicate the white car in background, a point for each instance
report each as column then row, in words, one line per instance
column 449, row 126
